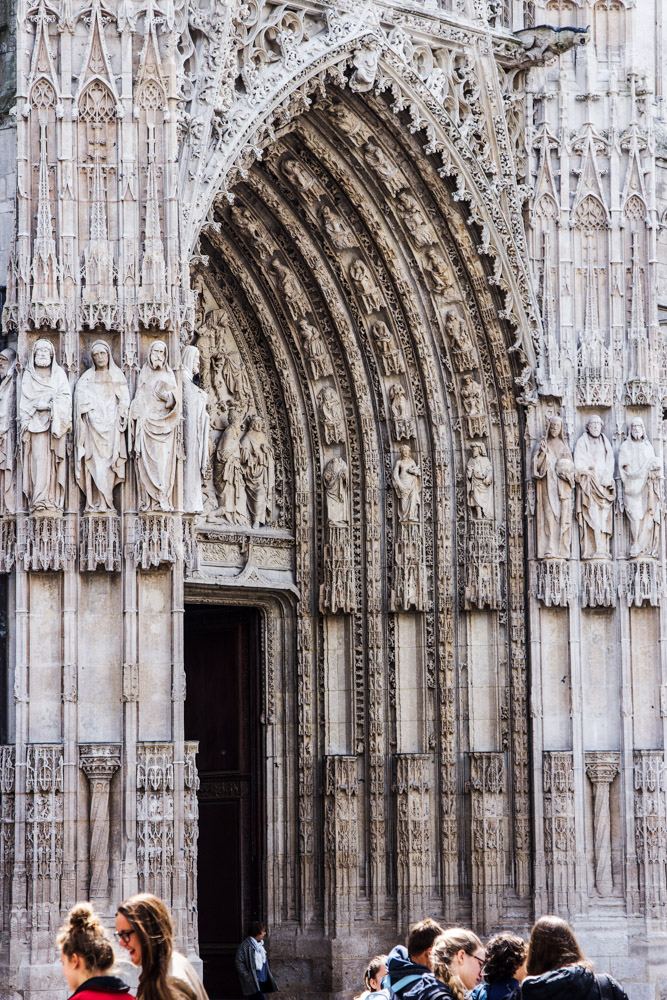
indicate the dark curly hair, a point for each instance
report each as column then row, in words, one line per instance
column 504, row 954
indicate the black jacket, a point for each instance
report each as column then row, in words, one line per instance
column 573, row 982
column 403, row 975
column 429, row 988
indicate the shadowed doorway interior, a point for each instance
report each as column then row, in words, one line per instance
column 222, row 712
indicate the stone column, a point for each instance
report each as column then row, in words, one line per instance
column 99, row 762
column 601, row 769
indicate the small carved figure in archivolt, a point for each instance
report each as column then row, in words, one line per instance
column 640, row 472
column 298, row 176
column 348, row 122
column 196, row 430
column 315, row 350
column 244, row 220
column 294, row 296
column 8, row 431
column 596, row 490
column 154, row 424
column 258, row 471
column 377, row 160
column 419, row 228
column 438, row 270
column 406, row 480
column 462, row 345
column 479, row 479
column 228, row 479
column 404, row 425
column 335, row 477
column 331, row 411
column 365, row 286
column 101, row 405
column 392, row 362
column 472, row 398
column 339, row 235
column 45, row 417
column 553, row 469
column 364, row 68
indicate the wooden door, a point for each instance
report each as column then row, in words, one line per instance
column 222, row 712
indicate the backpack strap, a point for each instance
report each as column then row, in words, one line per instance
column 402, row 983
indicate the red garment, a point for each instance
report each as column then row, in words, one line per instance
column 95, row 994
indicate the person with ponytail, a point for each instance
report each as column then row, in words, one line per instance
column 457, row 961
column 144, row 929
column 375, row 972
column 87, row 957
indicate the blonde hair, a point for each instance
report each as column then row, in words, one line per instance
column 451, row 941
column 83, row 935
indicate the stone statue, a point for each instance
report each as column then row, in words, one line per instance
column 472, row 397
column 228, row 479
column 377, row 160
column 404, row 425
column 553, row 470
column 229, row 365
column 479, row 479
column 293, row 294
column 457, row 332
column 209, row 345
column 438, row 271
column 332, row 415
column 315, row 350
column 45, row 417
column 392, row 362
column 297, row 175
column 154, row 430
column 406, row 480
column 419, row 228
column 7, row 431
column 196, row 429
column 258, row 471
column 339, row 235
column 366, row 289
column 101, row 404
column 335, row 477
column 639, row 469
column 243, row 219
column 594, row 474
column 364, row 69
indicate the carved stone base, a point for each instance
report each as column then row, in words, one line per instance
column 598, row 585
column 409, row 570
column 551, row 584
column 482, row 566
column 155, row 541
column 99, row 540
column 7, row 543
column 464, row 361
column 338, row 593
column 46, row 543
column 641, row 582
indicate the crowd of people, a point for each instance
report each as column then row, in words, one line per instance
column 436, row 963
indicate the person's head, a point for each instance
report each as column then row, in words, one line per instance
column 190, row 360
column 594, row 426
column 555, row 427
column 43, row 353
column 100, row 354
column 404, row 451
column 420, row 941
column 552, row 945
column 505, row 958
column 375, row 972
column 85, row 949
column 144, row 929
column 637, row 429
column 457, row 959
column 257, row 930
column 7, row 359
column 157, row 356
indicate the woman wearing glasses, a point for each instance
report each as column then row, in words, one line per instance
column 457, row 961
column 144, row 929
column 87, row 957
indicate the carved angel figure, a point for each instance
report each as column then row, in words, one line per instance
column 154, row 425
column 7, row 431
column 335, row 477
column 45, row 417
column 640, row 472
column 594, row 474
column 553, row 470
column 196, row 429
column 365, row 286
column 101, row 404
column 292, row 291
column 228, row 479
column 315, row 350
column 332, row 415
column 406, row 480
column 258, row 471
column 392, row 362
column 479, row 478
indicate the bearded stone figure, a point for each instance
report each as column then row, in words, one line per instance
column 101, row 403
column 553, row 470
column 155, row 417
column 639, row 469
column 594, row 474
column 45, row 417
column 196, row 429
column 258, row 471
column 7, row 431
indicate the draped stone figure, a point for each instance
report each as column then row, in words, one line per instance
column 365, row 286
column 228, row 479
column 155, row 416
column 339, row 235
column 479, row 479
column 101, row 404
column 406, row 480
column 639, row 469
column 553, row 470
column 7, row 431
column 315, row 350
column 45, row 417
column 258, row 471
column 196, row 429
column 392, row 362
column 335, row 478
column 332, row 415
column 594, row 474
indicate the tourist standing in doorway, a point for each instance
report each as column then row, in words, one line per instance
column 145, row 930
column 558, row 970
column 252, row 963
column 87, row 957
